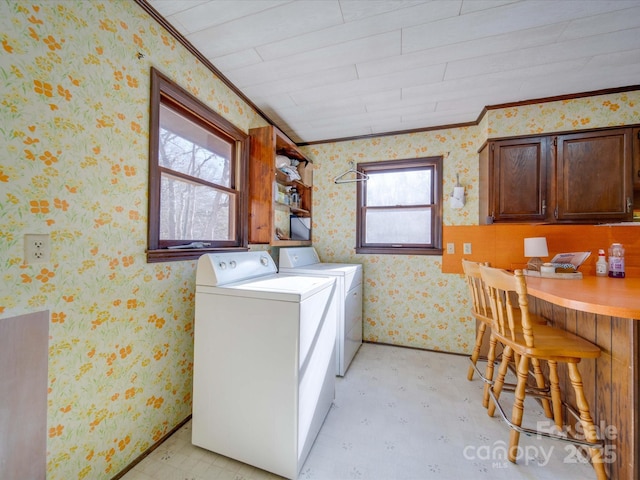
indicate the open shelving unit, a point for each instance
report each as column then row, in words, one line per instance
column 269, row 219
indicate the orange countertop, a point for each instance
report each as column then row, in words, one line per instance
column 616, row 297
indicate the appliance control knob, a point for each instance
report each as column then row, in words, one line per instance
column 232, row 264
column 222, row 266
column 264, row 261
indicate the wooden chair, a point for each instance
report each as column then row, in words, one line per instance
column 532, row 342
column 481, row 311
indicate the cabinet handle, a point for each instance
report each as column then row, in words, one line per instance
column 629, row 204
column 555, row 212
column 544, row 207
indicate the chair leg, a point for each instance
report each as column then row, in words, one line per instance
column 541, row 383
column 488, row 374
column 586, row 420
column 518, row 407
column 507, row 353
column 516, row 360
column 556, row 397
column 476, row 349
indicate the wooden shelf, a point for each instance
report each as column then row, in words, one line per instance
column 265, row 214
column 283, row 179
column 300, row 212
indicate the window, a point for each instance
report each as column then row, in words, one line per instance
column 400, row 207
column 197, row 177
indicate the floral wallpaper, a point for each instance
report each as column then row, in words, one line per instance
column 74, row 135
column 564, row 115
column 74, row 132
column 407, row 300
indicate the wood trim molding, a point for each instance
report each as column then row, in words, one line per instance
column 484, row 111
column 390, row 134
column 196, row 53
column 555, row 133
column 558, row 98
column 146, row 453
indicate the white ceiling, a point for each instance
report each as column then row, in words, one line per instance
column 330, row 69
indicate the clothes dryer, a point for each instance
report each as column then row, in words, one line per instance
column 305, row 261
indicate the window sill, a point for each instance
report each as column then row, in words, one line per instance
column 399, row 251
column 178, row 254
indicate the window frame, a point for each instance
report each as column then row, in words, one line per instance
column 166, row 92
column 389, row 166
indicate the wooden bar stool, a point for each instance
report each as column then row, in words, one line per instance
column 533, row 342
column 481, row 311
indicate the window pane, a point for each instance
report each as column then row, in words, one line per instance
column 189, row 211
column 197, row 176
column 188, row 148
column 396, row 226
column 399, row 188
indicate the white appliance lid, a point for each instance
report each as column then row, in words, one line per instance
column 282, row 287
column 221, row 268
column 323, row 269
column 298, row 257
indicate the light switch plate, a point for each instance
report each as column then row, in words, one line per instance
column 451, row 248
column 466, row 248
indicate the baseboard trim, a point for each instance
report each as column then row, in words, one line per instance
column 415, row 348
column 144, row 454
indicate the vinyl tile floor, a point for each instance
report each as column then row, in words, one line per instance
column 398, row 414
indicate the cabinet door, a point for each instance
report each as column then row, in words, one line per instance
column 593, row 181
column 636, row 159
column 519, row 179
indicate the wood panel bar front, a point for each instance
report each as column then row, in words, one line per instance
column 606, row 312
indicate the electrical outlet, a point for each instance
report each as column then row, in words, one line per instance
column 36, row 248
column 451, row 248
column 466, row 248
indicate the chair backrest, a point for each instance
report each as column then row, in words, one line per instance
column 508, row 318
column 479, row 300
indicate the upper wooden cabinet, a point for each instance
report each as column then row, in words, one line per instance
column 593, row 180
column 517, row 179
column 636, row 159
column 270, row 215
column 569, row 178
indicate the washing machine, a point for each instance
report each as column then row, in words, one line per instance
column 264, row 357
column 305, row 261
